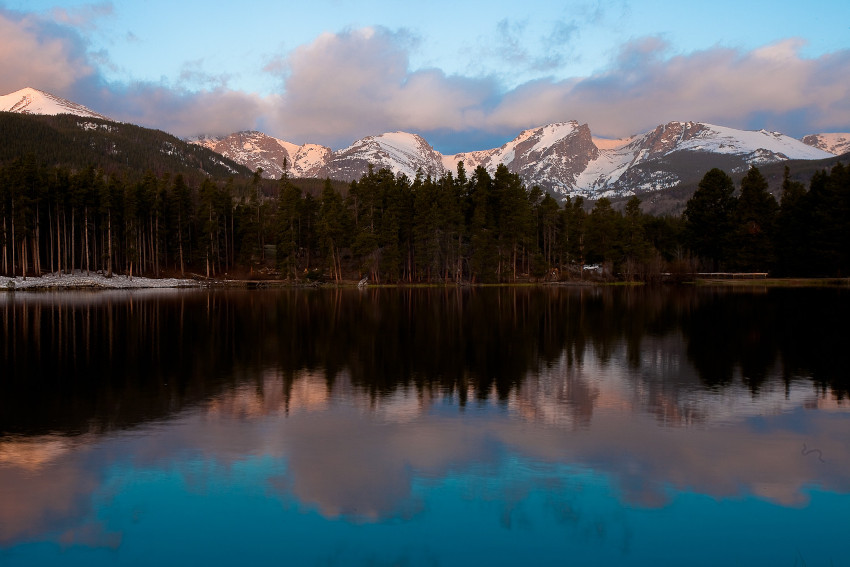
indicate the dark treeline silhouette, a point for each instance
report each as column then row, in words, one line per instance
column 480, row 228
column 106, row 360
column 806, row 234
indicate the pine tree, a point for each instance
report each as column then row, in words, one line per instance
column 484, row 257
column 755, row 218
column 289, row 226
column 333, row 227
column 636, row 248
column 710, row 218
column 603, row 236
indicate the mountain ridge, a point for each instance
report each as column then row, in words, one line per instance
column 563, row 158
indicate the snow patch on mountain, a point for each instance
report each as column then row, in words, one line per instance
column 835, row 143
column 34, row 101
column 611, row 144
column 759, row 143
column 256, row 150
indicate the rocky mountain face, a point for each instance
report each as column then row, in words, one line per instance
column 563, row 159
column 681, row 153
column 552, row 156
column 838, row 144
column 256, row 150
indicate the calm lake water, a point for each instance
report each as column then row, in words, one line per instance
column 500, row 426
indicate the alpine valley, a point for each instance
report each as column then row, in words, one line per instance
column 564, row 159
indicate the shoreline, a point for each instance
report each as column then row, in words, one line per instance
column 97, row 281
column 91, row 281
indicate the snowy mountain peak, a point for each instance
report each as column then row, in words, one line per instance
column 34, row 101
column 400, row 152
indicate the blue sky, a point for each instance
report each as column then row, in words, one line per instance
column 467, row 75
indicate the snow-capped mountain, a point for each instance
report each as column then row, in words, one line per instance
column 563, row 158
column 34, row 101
column 679, row 152
column 256, row 150
column 552, row 156
column 401, row 152
column 835, row 143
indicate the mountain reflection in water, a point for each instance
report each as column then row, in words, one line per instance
column 586, row 408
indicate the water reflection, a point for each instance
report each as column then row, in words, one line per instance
column 391, row 407
column 74, row 362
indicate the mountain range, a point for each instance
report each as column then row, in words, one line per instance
column 564, row 159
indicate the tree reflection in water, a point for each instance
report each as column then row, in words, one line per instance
column 82, row 362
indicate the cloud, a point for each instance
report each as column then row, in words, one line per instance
column 771, row 87
column 358, row 82
column 53, row 55
column 38, row 53
column 193, row 73
column 186, row 113
column 344, row 86
column 84, row 16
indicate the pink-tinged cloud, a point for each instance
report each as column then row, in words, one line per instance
column 344, row 86
column 36, row 53
column 50, row 56
column 185, row 113
column 349, row 85
column 772, row 87
column 84, row 16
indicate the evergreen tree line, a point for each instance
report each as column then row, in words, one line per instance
column 57, row 220
column 476, row 228
column 806, row 234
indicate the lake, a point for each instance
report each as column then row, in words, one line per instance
column 473, row 426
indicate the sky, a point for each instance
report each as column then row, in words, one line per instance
column 465, row 75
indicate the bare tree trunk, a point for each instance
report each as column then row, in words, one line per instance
column 180, row 241
column 13, row 237
column 156, row 248
column 86, row 225
column 109, row 253
column 5, row 260
column 24, row 258
column 73, row 256
column 58, row 243
column 36, row 257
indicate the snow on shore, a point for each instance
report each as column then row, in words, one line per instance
column 79, row 280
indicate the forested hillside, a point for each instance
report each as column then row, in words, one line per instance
column 77, row 142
